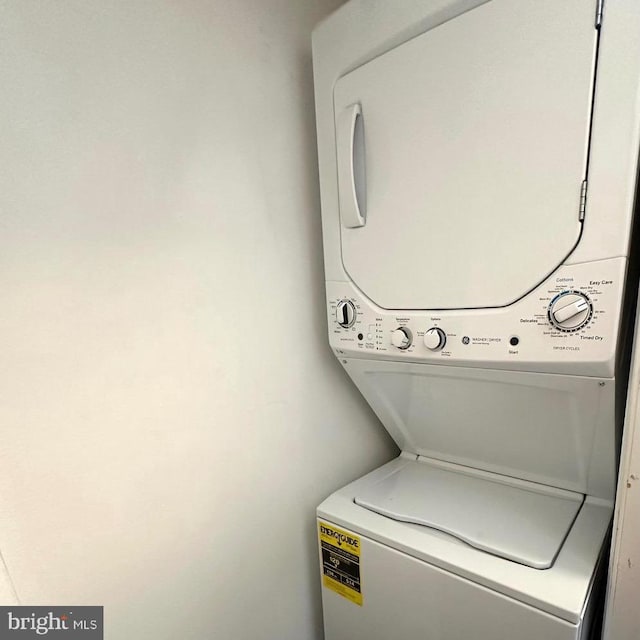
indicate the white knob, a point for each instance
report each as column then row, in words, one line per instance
column 345, row 313
column 401, row 338
column 435, row 339
column 570, row 311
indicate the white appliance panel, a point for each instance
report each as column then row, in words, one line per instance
column 431, row 604
column 475, row 136
column 483, row 337
column 554, row 430
column 519, row 521
column 471, row 301
column 561, row 591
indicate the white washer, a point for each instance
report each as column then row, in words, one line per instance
column 478, row 167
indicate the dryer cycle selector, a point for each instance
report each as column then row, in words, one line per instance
column 435, row 339
column 402, row 338
column 346, row 314
column 570, row 311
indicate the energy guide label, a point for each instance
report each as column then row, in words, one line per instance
column 340, row 561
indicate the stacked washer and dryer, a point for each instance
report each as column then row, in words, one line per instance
column 478, row 168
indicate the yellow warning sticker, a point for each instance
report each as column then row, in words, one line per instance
column 340, row 552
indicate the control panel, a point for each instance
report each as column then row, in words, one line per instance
column 568, row 324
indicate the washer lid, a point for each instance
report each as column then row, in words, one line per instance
column 520, row 521
column 461, row 155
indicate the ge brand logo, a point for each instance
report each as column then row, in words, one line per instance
column 465, row 340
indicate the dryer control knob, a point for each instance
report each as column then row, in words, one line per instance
column 346, row 314
column 402, row 338
column 435, row 339
column 570, row 311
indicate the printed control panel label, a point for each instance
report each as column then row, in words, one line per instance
column 340, row 552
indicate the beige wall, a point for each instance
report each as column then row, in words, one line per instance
column 622, row 613
column 171, row 413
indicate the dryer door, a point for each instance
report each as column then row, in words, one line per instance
column 474, row 138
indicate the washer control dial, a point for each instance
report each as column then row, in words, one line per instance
column 435, row 339
column 402, row 338
column 346, row 314
column 570, row 311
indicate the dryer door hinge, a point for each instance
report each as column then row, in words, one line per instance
column 583, row 200
column 599, row 9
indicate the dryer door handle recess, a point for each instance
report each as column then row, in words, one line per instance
column 351, row 167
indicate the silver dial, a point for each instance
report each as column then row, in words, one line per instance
column 570, row 311
column 346, row 314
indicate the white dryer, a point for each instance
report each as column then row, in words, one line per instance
column 478, row 167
